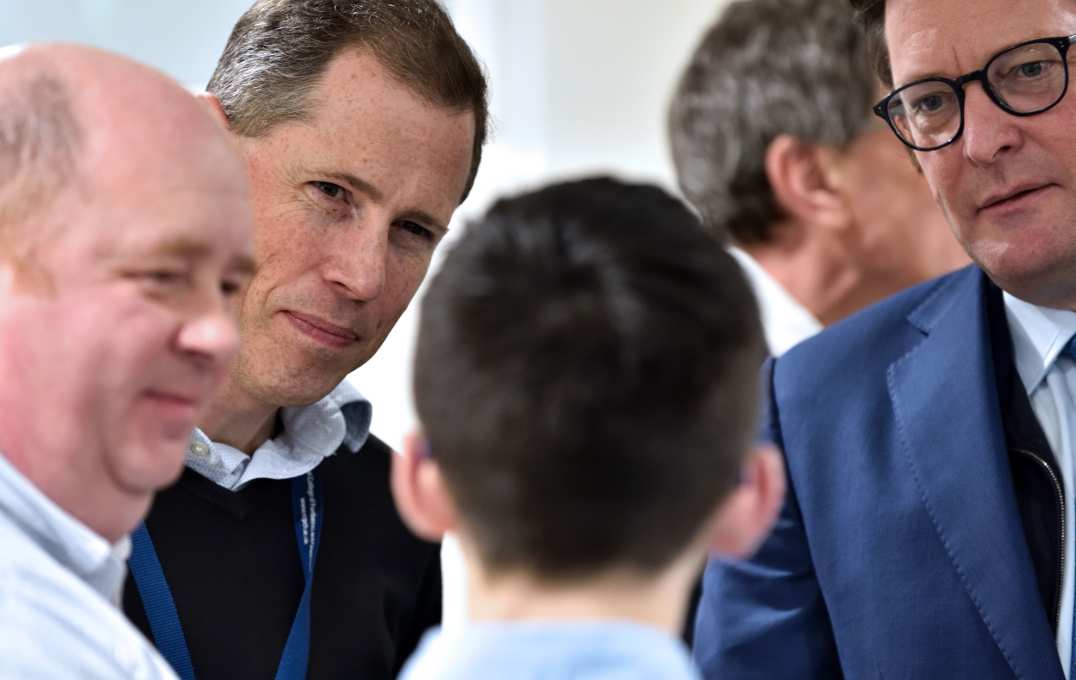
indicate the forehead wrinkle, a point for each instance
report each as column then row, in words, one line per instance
column 936, row 46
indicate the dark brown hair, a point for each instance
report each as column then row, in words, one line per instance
column 586, row 374
column 279, row 50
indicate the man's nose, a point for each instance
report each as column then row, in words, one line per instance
column 211, row 336
column 989, row 132
column 356, row 266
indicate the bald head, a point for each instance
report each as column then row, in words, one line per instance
column 78, row 122
column 40, row 137
column 125, row 324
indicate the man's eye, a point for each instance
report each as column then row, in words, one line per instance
column 1032, row 69
column 417, row 229
column 163, row 277
column 333, row 191
column 930, row 103
column 229, row 287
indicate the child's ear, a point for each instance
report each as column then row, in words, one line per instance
column 421, row 497
column 748, row 513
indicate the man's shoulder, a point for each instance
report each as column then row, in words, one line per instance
column 29, row 574
column 52, row 624
column 863, row 345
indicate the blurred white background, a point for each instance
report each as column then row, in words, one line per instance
column 577, row 86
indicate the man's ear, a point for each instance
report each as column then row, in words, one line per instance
column 421, row 497
column 748, row 513
column 212, row 105
column 800, row 176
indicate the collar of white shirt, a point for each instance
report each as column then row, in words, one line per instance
column 1038, row 336
column 90, row 556
column 309, row 435
column 784, row 320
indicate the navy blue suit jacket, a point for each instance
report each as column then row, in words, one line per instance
column 899, row 552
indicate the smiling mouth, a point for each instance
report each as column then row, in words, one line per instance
column 174, row 405
column 170, row 398
column 321, row 331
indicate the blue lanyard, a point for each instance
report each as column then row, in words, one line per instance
column 308, row 510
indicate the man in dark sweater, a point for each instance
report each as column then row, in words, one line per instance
column 279, row 553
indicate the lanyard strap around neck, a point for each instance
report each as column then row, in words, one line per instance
column 308, row 510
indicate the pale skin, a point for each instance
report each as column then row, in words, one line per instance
column 858, row 224
column 347, row 216
column 1008, row 184
column 659, row 600
column 115, row 317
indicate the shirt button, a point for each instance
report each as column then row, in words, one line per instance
column 200, row 449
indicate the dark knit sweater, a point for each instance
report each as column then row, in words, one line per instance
column 231, row 561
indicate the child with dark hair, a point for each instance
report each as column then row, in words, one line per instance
column 586, row 380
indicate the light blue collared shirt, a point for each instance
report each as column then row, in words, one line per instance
column 60, row 586
column 1038, row 336
column 309, row 435
column 598, row 650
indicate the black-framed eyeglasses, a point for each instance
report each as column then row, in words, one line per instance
column 1024, row 80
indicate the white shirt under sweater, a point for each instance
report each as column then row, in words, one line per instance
column 1039, row 334
column 309, row 435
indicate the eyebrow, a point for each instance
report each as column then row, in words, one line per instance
column 193, row 249
column 244, row 265
column 935, row 75
column 373, row 192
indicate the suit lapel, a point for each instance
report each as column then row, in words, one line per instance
column 944, row 396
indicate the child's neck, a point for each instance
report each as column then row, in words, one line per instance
column 659, row 601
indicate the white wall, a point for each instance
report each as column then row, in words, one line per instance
column 182, row 39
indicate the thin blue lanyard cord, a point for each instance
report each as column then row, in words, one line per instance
column 309, row 513
column 158, row 603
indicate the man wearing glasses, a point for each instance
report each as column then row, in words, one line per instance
column 930, row 439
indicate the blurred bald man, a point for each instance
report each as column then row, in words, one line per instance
column 124, row 235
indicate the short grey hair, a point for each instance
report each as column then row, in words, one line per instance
column 279, row 49
column 765, row 68
column 40, row 144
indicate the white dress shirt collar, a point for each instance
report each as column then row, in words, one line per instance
column 309, row 435
column 1038, row 336
column 784, row 320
